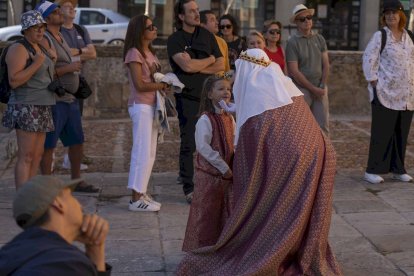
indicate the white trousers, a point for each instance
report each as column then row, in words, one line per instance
column 144, row 146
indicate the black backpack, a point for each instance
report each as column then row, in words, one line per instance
column 5, row 88
column 384, row 38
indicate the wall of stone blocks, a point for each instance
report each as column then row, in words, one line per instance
column 107, row 76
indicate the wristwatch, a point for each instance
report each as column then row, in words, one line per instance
column 322, row 85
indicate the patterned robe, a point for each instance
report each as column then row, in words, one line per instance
column 284, row 170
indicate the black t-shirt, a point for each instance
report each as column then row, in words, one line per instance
column 200, row 44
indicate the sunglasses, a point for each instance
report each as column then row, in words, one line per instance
column 38, row 28
column 226, row 26
column 274, row 31
column 151, row 27
column 302, row 19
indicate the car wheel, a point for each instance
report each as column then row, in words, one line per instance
column 116, row 42
column 14, row 38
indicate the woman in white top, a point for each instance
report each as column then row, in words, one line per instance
column 390, row 73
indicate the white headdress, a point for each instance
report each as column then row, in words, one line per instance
column 260, row 85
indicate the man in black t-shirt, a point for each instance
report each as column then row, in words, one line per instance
column 194, row 55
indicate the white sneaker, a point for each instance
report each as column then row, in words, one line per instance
column 402, row 177
column 66, row 163
column 373, row 178
column 150, row 199
column 143, row 205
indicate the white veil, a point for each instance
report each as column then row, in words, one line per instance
column 258, row 88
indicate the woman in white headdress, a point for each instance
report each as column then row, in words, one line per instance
column 283, row 173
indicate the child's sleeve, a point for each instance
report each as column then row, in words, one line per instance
column 203, row 136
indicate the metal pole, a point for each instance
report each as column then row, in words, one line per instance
column 411, row 21
column 148, row 4
column 12, row 13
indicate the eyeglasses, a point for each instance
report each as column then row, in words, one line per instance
column 151, row 27
column 38, row 28
column 302, row 19
column 226, row 26
column 274, row 31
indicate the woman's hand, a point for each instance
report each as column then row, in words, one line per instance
column 39, row 58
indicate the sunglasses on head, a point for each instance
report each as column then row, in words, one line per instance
column 302, row 19
column 151, row 27
column 226, row 26
column 274, row 31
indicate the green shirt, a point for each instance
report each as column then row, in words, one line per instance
column 307, row 52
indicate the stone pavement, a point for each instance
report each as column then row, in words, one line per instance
column 372, row 230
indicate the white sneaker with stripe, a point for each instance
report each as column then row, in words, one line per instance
column 143, row 205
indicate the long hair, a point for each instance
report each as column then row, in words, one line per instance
column 233, row 23
column 401, row 24
column 266, row 27
column 179, row 9
column 135, row 34
column 206, row 105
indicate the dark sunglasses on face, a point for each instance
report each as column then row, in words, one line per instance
column 151, row 27
column 225, row 27
column 302, row 19
column 274, row 31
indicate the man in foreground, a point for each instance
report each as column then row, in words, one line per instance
column 52, row 219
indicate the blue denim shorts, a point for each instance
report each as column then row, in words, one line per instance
column 68, row 125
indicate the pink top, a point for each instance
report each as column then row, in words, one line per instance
column 133, row 55
column 277, row 57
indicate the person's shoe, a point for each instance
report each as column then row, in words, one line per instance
column 86, row 188
column 402, row 177
column 373, row 178
column 143, row 205
column 179, row 180
column 66, row 164
column 189, row 197
column 150, row 199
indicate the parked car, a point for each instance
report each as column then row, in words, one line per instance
column 104, row 26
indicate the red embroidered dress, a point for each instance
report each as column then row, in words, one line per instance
column 211, row 202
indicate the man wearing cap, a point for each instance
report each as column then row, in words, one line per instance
column 308, row 64
column 52, row 219
column 66, row 113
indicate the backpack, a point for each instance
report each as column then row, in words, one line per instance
column 5, row 88
column 384, row 38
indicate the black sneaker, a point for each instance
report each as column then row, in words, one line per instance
column 179, row 180
column 86, row 188
column 189, row 197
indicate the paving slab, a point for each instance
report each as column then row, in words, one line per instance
column 372, row 227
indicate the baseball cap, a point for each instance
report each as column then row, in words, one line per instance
column 34, row 198
column 392, row 5
column 46, row 8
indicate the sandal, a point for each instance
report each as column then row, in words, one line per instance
column 85, row 188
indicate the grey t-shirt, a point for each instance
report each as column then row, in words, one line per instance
column 74, row 39
column 307, row 51
column 70, row 81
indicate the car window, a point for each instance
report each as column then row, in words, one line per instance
column 93, row 18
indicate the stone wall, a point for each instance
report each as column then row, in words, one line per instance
column 108, row 78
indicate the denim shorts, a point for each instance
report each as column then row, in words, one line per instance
column 68, row 125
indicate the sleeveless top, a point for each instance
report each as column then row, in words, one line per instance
column 34, row 91
column 222, row 141
column 277, row 57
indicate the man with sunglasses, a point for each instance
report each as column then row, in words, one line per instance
column 194, row 55
column 308, row 64
column 66, row 112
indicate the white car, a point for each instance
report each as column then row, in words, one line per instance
column 104, row 26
